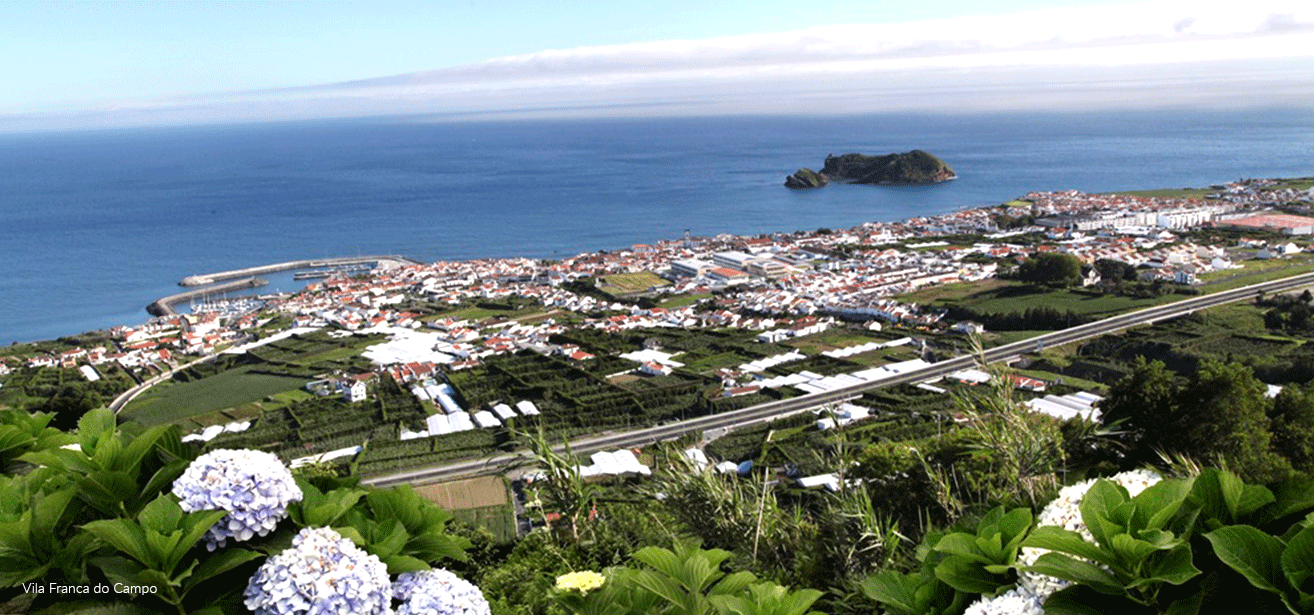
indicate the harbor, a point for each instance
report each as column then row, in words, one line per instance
column 223, row 282
column 164, row 306
column 211, row 278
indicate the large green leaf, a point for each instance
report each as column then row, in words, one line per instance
column 1173, row 566
column 1077, row 571
column 1067, row 541
column 967, row 576
column 95, row 424
column 962, row 545
column 1298, row 561
column 1082, row 600
column 220, row 562
column 1130, row 550
column 893, row 589
column 1159, row 503
column 106, row 490
column 161, row 515
column 125, row 536
column 1251, row 552
column 1100, row 509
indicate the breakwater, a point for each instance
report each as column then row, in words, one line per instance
column 164, row 305
column 211, row 278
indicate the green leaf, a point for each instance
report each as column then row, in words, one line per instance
column 1253, row 498
column 1298, row 560
column 1014, row 525
column 1077, row 571
column 962, row 545
column 220, row 562
column 194, row 527
column 1292, row 496
column 965, row 576
column 1160, row 502
column 106, row 490
column 1173, row 566
column 48, row 510
column 118, row 569
column 400, row 563
column 125, row 536
column 1130, row 550
column 1082, row 600
column 1100, row 509
column 1190, row 605
column 893, row 589
column 162, row 515
column 94, row 424
column 1066, row 541
column 734, row 582
column 1254, row 554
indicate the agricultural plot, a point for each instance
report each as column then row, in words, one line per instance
column 180, row 400
column 631, row 284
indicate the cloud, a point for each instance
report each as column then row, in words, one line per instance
column 1158, row 53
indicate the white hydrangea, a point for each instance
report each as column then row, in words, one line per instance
column 438, row 592
column 1065, row 512
column 1016, row 601
column 322, row 574
column 253, row 486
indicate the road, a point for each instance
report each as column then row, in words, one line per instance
column 785, row 407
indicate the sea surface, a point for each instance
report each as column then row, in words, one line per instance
column 96, row 225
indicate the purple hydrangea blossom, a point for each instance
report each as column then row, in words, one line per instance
column 322, row 574
column 253, row 486
column 437, row 592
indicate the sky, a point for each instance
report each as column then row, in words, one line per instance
column 105, row 64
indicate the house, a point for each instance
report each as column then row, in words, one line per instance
column 354, row 391
column 653, row 368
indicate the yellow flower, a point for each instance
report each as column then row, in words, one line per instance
column 583, row 582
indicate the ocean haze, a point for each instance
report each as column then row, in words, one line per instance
column 98, row 224
column 1145, row 55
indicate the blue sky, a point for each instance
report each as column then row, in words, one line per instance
column 102, row 63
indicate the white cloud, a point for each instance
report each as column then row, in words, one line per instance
column 1258, row 52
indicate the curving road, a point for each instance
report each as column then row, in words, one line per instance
column 785, row 407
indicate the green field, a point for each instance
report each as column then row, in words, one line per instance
column 1176, row 193
column 631, row 283
column 499, row 520
column 1256, row 274
column 1003, row 296
column 176, row 401
column 683, row 300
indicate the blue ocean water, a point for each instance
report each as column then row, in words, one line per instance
column 95, row 225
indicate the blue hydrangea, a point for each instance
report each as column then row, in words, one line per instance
column 253, row 486
column 322, row 574
column 437, row 592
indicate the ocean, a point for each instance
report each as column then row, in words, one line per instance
column 98, row 224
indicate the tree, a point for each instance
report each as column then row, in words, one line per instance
column 1114, row 271
column 69, row 404
column 1227, row 416
column 1292, row 425
column 1144, row 403
column 1051, row 268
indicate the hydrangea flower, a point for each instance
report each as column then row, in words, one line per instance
column 322, row 574
column 1065, row 512
column 253, row 486
column 1016, row 601
column 582, row 582
column 437, row 592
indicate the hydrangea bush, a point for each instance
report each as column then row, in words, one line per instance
column 253, row 486
column 437, row 592
column 1065, row 512
column 323, row 573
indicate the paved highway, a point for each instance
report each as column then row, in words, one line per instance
column 785, row 407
